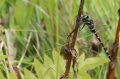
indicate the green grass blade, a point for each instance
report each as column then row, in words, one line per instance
column 1, row 3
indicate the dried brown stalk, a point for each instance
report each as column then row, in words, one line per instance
column 114, row 53
column 74, row 39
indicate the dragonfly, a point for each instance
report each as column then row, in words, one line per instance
column 86, row 21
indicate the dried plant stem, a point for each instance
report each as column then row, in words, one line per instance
column 114, row 53
column 8, row 58
column 68, row 64
column 24, row 52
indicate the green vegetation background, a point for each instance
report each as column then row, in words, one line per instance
column 35, row 30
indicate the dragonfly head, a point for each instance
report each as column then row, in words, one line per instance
column 85, row 17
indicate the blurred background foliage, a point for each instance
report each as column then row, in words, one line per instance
column 37, row 27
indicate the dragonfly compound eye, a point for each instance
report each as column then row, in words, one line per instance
column 85, row 17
